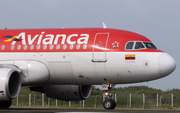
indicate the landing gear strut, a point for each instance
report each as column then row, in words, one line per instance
column 109, row 103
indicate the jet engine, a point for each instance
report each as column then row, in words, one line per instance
column 10, row 83
column 65, row 92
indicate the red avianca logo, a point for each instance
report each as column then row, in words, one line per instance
column 44, row 38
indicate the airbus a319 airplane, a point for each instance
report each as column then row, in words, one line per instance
column 64, row 63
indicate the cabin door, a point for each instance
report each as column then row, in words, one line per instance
column 100, row 47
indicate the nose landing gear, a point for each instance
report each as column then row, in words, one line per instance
column 109, row 103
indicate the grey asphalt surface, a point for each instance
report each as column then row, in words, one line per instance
column 24, row 110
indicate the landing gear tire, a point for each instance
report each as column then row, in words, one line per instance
column 114, row 103
column 109, row 104
column 5, row 104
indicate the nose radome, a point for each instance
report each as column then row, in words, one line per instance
column 166, row 64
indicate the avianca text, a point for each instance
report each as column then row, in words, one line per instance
column 44, row 38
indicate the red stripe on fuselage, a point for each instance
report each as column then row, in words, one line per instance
column 69, row 37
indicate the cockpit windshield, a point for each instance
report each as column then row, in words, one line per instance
column 139, row 45
column 149, row 45
column 134, row 45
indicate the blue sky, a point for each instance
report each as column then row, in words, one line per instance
column 158, row 20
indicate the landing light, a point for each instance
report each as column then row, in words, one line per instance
column 106, row 93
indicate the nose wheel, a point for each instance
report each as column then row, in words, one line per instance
column 109, row 103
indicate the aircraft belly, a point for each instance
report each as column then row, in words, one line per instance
column 61, row 72
column 78, row 68
column 83, row 68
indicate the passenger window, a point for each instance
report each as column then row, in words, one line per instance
column 84, row 46
column 64, row 46
column 78, row 46
column 38, row 47
column 19, row 47
column 71, row 46
column 51, row 47
column 2, row 47
column 12, row 47
column 32, row 47
column 129, row 45
column 44, row 47
column 139, row 45
column 25, row 47
column 57, row 46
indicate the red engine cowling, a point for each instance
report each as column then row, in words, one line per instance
column 68, row 92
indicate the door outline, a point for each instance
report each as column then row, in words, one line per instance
column 94, row 46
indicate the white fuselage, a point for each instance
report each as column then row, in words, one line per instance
column 78, row 67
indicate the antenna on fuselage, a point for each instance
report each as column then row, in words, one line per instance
column 104, row 25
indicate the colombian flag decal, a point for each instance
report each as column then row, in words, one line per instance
column 130, row 57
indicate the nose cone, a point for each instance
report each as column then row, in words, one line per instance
column 166, row 64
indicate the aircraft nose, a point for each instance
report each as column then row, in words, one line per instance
column 166, row 64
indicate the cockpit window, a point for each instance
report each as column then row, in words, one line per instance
column 134, row 45
column 149, row 45
column 129, row 45
column 139, row 45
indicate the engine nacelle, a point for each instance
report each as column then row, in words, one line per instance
column 68, row 92
column 10, row 83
